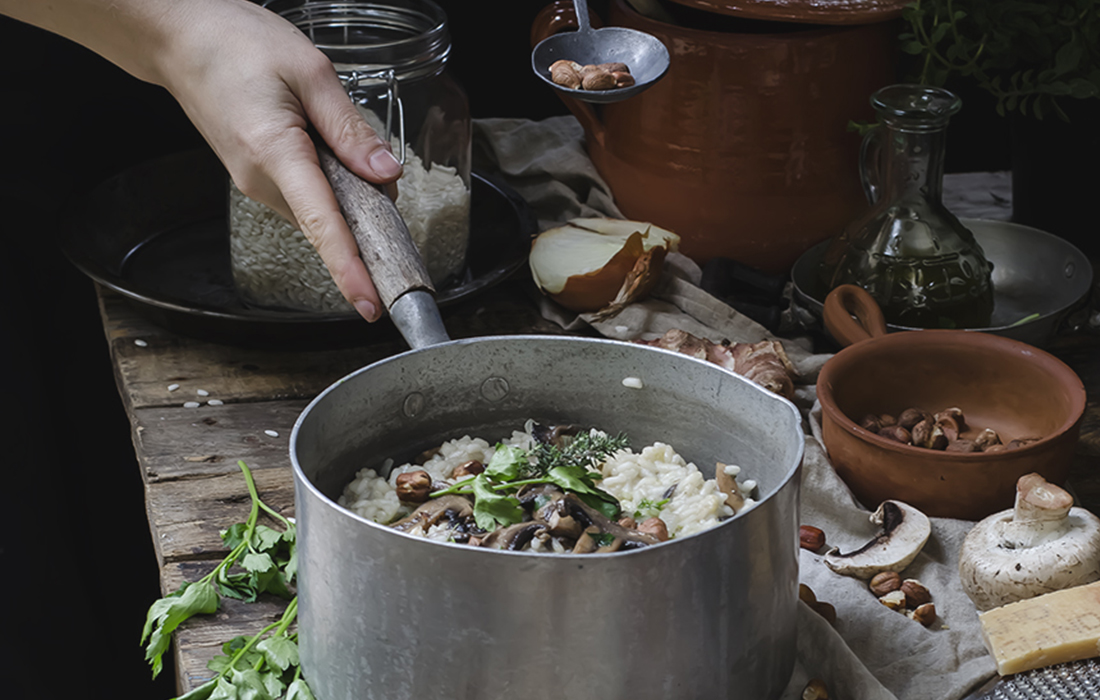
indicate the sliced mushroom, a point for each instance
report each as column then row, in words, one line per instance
column 554, row 434
column 587, row 516
column 514, row 537
column 1042, row 544
column 456, row 509
column 904, row 531
column 727, row 484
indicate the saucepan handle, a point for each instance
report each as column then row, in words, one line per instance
column 388, row 251
column 852, row 315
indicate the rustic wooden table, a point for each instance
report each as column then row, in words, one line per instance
column 188, row 456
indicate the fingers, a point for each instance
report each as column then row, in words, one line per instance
column 309, row 197
column 339, row 123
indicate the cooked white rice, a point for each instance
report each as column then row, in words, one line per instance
column 641, row 482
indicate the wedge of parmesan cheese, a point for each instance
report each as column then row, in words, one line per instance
column 1049, row 629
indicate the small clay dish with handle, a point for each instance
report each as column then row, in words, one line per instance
column 1018, row 390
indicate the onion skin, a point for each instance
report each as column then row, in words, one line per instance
column 631, row 265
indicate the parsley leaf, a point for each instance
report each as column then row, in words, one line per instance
column 492, row 509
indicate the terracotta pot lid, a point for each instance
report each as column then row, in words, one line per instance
column 806, row 11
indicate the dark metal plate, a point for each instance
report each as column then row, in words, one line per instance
column 158, row 235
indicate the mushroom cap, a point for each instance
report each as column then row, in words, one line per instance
column 997, row 566
column 904, row 532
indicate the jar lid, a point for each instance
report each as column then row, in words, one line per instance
column 807, row 11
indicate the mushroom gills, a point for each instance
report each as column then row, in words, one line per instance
column 904, row 530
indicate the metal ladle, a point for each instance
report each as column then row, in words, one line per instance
column 644, row 54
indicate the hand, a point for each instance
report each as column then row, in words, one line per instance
column 252, row 95
column 251, row 83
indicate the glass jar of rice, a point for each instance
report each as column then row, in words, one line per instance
column 391, row 56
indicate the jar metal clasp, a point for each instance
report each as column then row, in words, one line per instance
column 354, row 83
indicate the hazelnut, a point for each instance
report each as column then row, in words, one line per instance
column 955, row 413
column 896, row 433
column 566, row 73
column 622, row 79
column 962, row 445
column 996, row 448
column 598, row 80
column 826, row 610
column 885, row 582
column 806, row 594
column 414, row 486
column 916, row 593
column 815, row 690
column 924, row 614
column 895, row 600
column 467, row 469
column 811, row 538
column 614, row 67
column 886, row 419
column 949, row 426
column 911, row 416
column 921, row 432
column 655, row 527
column 871, row 422
column 987, row 438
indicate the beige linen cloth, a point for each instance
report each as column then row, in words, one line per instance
column 872, row 653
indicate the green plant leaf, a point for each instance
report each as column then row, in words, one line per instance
column 258, row 562
column 203, row 692
column 299, row 690
column 250, row 685
column 279, row 652
column 224, row 690
column 265, row 538
column 506, row 463
column 196, row 598
column 492, row 509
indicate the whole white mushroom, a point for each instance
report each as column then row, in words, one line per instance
column 1043, row 544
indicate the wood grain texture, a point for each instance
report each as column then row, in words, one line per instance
column 385, row 245
column 200, row 639
column 186, row 516
column 175, row 443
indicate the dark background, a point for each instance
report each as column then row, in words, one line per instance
column 76, row 560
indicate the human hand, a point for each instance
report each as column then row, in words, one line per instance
column 252, row 83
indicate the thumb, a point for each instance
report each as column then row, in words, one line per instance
column 343, row 128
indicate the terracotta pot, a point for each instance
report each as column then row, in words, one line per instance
column 999, row 383
column 743, row 147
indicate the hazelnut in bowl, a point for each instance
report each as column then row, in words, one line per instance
column 1004, row 391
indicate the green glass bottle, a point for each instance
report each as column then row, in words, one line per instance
column 918, row 261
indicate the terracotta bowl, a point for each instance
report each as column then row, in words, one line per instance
column 999, row 383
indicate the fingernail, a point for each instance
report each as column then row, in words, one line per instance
column 384, row 163
column 367, row 310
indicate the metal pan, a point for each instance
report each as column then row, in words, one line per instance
column 384, row 615
column 1038, row 280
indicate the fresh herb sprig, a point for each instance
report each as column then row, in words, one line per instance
column 1028, row 54
column 260, row 668
column 511, row 468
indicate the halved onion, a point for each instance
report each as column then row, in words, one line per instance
column 590, row 263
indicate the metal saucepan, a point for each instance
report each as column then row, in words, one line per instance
column 1038, row 279
column 384, row 615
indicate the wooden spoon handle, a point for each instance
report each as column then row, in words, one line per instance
column 844, row 302
column 385, row 246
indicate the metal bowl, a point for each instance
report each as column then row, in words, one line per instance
column 1038, row 279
